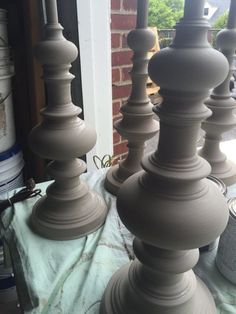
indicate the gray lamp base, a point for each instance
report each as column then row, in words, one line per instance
column 70, row 219
column 225, row 171
column 112, row 182
column 125, row 296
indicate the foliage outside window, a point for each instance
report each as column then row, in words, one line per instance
column 221, row 22
column 165, row 13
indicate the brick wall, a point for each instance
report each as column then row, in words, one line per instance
column 123, row 19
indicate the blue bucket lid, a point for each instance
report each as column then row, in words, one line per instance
column 14, row 150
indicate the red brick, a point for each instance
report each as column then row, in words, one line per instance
column 121, row 91
column 123, row 22
column 115, row 40
column 130, row 5
column 125, row 74
column 116, row 108
column 120, row 148
column 116, row 137
column 115, row 4
column 121, row 58
column 124, row 41
column 115, row 75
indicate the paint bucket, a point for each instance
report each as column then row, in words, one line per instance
column 11, row 170
column 3, row 28
column 226, row 254
column 7, row 124
column 223, row 189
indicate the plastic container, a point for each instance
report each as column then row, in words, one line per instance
column 226, row 254
column 7, row 124
column 223, row 189
column 11, row 170
column 3, row 27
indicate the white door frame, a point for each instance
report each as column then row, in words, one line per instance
column 95, row 59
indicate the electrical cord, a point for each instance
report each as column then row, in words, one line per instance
column 28, row 192
column 105, row 161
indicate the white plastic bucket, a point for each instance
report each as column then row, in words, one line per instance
column 11, row 169
column 3, row 28
column 7, row 124
column 7, row 128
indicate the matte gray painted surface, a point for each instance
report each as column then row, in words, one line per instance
column 222, row 106
column 169, row 206
column 137, row 124
column 69, row 209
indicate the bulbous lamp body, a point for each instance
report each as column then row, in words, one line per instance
column 223, row 106
column 69, row 209
column 137, row 124
column 170, row 206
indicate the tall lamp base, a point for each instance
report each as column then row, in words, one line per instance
column 125, row 296
column 112, row 181
column 66, row 220
column 225, row 171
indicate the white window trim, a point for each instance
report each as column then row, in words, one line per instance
column 95, row 60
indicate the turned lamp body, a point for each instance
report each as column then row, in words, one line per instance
column 137, row 124
column 222, row 106
column 171, row 207
column 69, row 209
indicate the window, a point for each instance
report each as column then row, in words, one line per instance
column 206, row 11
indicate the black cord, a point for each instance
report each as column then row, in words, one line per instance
column 105, row 161
column 23, row 194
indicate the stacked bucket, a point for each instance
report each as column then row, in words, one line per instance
column 11, row 160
